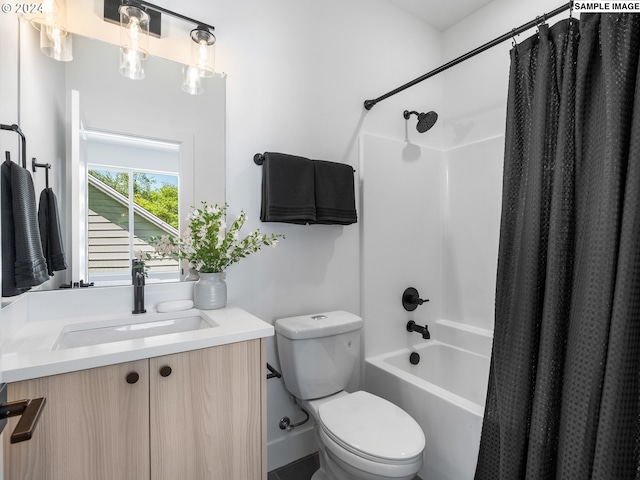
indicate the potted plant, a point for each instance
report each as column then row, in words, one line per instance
column 210, row 246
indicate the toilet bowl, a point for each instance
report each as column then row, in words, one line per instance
column 360, row 436
column 364, row 437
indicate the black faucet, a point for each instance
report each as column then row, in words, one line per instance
column 137, row 278
column 424, row 331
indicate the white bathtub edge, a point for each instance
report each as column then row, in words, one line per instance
column 468, row 328
column 379, row 362
column 467, row 337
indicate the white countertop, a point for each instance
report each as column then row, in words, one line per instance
column 30, row 353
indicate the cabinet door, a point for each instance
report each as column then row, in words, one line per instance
column 206, row 414
column 94, row 426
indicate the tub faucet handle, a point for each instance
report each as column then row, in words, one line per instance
column 411, row 299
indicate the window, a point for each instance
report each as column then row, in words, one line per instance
column 129, row 202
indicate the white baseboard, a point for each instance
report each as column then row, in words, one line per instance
column 297, row 444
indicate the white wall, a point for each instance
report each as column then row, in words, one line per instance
column 473, row 126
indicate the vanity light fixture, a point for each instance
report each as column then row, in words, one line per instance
column 138, row 19
column 55, row 41
column 134, row 41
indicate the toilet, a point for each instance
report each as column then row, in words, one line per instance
column 360, row 436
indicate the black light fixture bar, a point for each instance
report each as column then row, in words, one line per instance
column 369, row 104
column 111, row 14
column 151, row 6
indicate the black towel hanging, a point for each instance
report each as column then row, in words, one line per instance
column 303, row 191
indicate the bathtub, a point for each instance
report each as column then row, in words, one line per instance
column 445, row 392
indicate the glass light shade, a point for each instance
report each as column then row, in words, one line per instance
column 134, row 41
column 203, row 51
column 55, row 41
column 192, row 80
column 132, row 64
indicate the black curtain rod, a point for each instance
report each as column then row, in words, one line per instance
column 368, row 104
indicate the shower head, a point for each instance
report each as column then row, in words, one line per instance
column 425, row 120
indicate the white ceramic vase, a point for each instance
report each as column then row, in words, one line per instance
column 210, row 291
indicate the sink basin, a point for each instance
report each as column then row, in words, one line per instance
column 130, row 328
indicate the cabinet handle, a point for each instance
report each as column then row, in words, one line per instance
column 132, row 378
column 165, row 371
column 30, row 411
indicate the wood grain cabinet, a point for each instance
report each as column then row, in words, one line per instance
column 196, row 415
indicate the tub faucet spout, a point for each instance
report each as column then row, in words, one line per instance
column 424, row 331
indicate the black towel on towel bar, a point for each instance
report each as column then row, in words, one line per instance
column 23, row 264
column 334, row 193
column 50, row 234
column 287, row 189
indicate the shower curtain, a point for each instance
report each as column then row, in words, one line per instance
column 564, row 397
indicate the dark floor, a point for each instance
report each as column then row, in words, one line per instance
column 301, row 469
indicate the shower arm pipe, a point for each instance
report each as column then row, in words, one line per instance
column 16, row 128
column 369, row 104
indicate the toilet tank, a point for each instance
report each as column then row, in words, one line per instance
column 318, row 352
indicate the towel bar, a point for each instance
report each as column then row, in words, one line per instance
column 35, row 165
column 258, row 159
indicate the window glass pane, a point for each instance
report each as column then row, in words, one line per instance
column 108, row 221
column 156, row 214
column 120, row 224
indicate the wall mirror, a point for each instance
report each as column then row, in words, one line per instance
column 84, row 117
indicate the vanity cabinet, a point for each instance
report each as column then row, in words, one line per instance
column 196, row 415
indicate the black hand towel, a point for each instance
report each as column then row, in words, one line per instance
column 50, row 234
column 287, row 189
column 29, row 267
column 9, row 288
column 335, row 193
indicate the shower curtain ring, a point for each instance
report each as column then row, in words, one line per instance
column 513, row 37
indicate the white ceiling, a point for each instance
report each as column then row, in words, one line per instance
column 440, row 14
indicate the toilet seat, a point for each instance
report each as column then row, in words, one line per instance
column 361, row 467
column 372, row 428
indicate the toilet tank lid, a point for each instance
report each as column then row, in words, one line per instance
column 318, row 325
